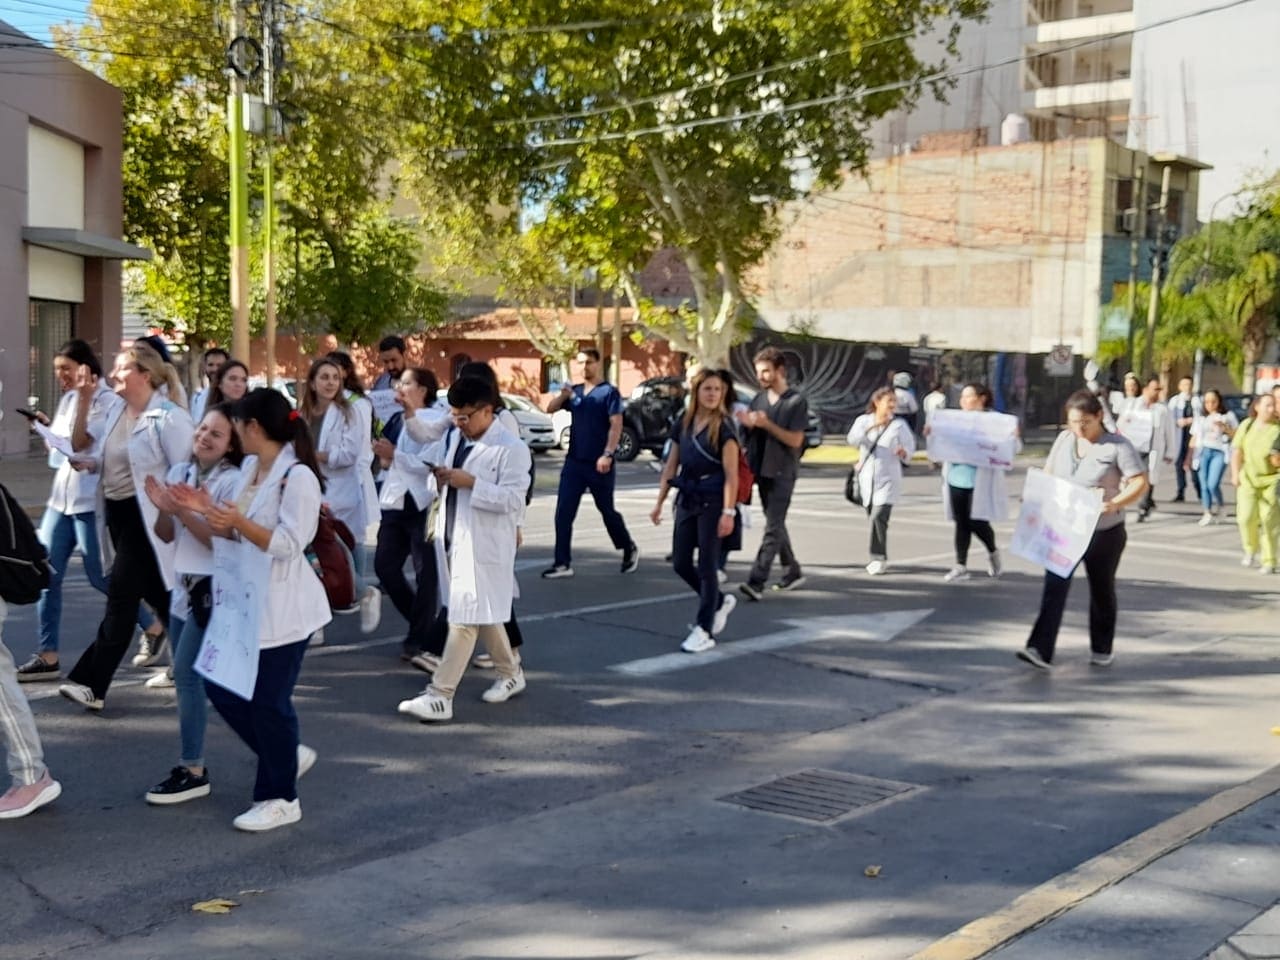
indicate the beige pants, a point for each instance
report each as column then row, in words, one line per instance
column 457, row 655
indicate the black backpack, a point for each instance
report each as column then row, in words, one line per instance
column 24, row 562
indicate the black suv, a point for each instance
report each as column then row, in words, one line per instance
column 647, row 417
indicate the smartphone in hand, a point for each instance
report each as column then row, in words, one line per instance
column 29, row 414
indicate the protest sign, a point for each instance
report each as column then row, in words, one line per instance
column 384, row 404
column 976, row 437
column 229, row 652
column 1056, row 522
column 1138, row 427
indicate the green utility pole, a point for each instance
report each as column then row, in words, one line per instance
column 1135, row 239
column 1153, row 304
column 239, row 171
column 268, row 181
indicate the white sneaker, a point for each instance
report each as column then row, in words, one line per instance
column 722, row 577
column 1101, row 659
column 1267, row 568
column 1206, row 519
column 1246, row 560
column 504, row 688
column 79, row 693
column 317, row 638
column 727, row 602
column 426, row 662
column 956, row 573
column 1032, row 656
column 428, row 707
column 482, row 661
column 268, row 814
column 877, row 567
column 370, row 610
column 306, row 759
column 150, row 648
column 160, row 681
column 995, row 566
column 698, row 641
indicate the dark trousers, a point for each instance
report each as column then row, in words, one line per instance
column 695, row 529
column 577, row 477
column 775, row 497
column 268, row 724
column 1180, row 470
column 967, row 527
column 134, row 576
column 1101, row 560
column 402, row 534
column 880, row 531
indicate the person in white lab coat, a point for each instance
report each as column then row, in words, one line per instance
column 215, row 467
column 1159, row 445
column 276, row 511
column 144, row 436
column 974, row 497
column 885, row 442
column 483, row 473
column 341, row 428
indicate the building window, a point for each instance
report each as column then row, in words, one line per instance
column 50, row 324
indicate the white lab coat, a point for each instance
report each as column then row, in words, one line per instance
column 296, row 605
column 478, row 575
column 408, row 474
column 160, row 438
column 879, row 468
column 190, row 555
column 363, row 408
column 344, row 436
column 75, row 491
column 990, row 495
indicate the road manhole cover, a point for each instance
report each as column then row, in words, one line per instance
column 818, row 795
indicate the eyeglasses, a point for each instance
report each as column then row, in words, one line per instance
column 461, row 417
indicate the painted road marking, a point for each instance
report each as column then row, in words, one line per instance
column 1055, row 897
column 873, row 628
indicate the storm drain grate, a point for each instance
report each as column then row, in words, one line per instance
column 818, row 795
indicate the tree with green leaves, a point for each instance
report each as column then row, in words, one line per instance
column 623, row 129
column 347, row 265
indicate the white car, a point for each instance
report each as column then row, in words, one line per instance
column 535, row 426
column 561, row 422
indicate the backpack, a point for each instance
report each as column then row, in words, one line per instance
column 746, row 477
column 24, row 562
column 331, row 554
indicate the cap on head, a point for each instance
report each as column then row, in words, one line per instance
column 902, row 380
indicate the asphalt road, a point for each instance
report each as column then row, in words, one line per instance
column 585, row 819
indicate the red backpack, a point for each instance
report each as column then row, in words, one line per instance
column 331, row 554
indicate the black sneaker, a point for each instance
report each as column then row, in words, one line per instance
column 182, row 785
column 557, row 571
column 792, row 581
column 35, row 670
column 630, row 558
column 750, row 591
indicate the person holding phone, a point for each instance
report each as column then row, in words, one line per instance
column 70, row 519
column 885, row 442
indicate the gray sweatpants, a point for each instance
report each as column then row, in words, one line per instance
column 22, row 743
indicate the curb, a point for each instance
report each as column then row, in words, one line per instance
column 1055, row 897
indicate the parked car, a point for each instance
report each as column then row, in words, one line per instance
column 1239, row 403
column 648, row 414
column 535, row 426
column 289, row 387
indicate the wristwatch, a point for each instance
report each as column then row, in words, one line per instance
column 608, row 453
column 728, row 512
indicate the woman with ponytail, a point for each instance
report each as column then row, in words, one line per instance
column 143, row 437
column 275, row 510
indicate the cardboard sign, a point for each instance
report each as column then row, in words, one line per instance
column 1138, row 427
column 1056, row 522
column 976, row 437
column 229, row 652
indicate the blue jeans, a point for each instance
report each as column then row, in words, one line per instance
column 61, row 533
column 193, row 707
column 576, row 478
column 1213, row 463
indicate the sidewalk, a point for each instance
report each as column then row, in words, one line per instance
column 27, row 478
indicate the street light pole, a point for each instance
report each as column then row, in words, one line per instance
column 1153, row 302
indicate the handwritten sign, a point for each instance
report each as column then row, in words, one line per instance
column 1056, row 522
column 61, row 444
column 976, row 437
column 384, row 404
column 229, row 652
column 1138, row 427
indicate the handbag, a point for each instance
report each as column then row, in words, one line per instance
column 853, row 487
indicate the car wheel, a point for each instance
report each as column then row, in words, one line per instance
column 628, row 446
column 564, row 439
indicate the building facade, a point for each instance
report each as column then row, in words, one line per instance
column 60, row 220
column 1013, row 249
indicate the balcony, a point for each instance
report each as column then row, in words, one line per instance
column 1050, row 11
column 1082, row 28
column 1079, row 95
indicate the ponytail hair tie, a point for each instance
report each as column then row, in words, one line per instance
column 293, row 414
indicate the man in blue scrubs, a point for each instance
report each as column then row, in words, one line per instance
column 596, row 410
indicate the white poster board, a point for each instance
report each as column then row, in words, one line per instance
column 61, row 444
column 1138, row 427
column 384, row 404
column 1056, row 522
column 976, row 437
column 229, row 652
